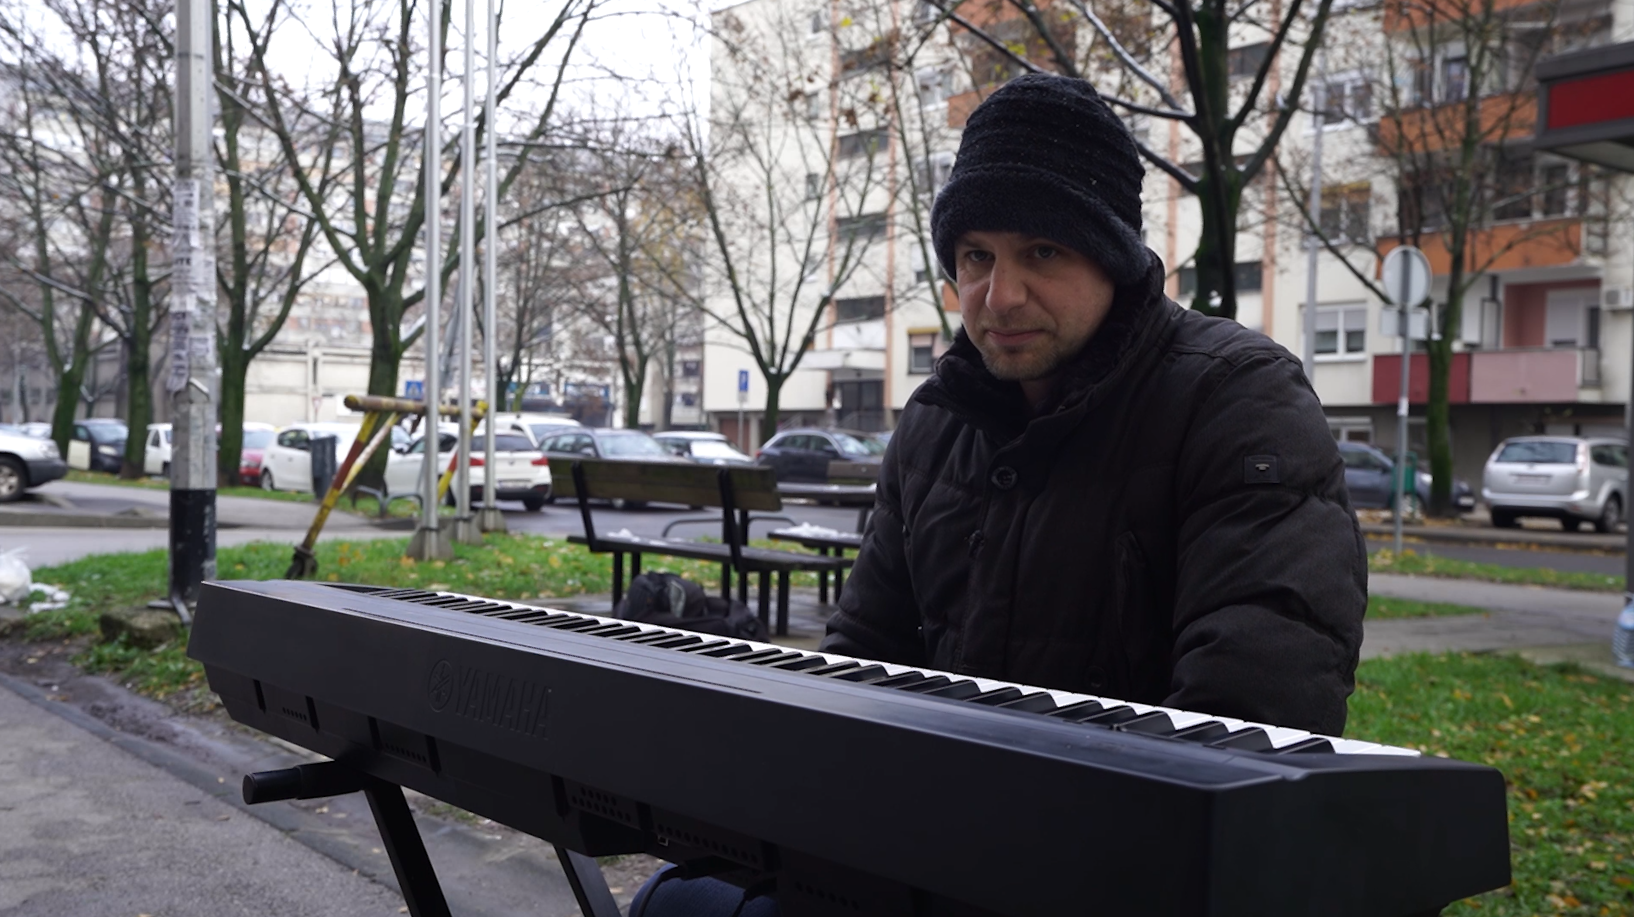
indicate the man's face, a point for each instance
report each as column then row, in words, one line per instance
column 1029, row 304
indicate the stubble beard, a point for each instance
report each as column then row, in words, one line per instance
column 1024, row 365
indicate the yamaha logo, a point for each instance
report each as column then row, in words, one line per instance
column 441, row 687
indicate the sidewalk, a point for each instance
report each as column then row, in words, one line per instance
column 77, row 504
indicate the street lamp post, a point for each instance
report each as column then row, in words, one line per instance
column 490, row 519
column 429, row 541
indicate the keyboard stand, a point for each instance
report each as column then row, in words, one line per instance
column 415, row 875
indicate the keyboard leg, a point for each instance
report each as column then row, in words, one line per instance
column 839, row 577
column 743, row 586
column 726, row 581
column 783, row 604
column 589, row 885
column 635, row 565
column 415, row 876
column 822, row 580
column 766, row 599
column 618, row 577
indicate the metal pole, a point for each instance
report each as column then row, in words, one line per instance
column 491, row 520
column 1315, row 207
column 428, row 542
column 465, row 530
column 1401, row 405
column 191, row 377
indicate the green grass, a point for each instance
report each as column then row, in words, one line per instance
column 1414, row 564
column 520, row 567
column 366, row 505
column 1564, row 740
column 1380, row 606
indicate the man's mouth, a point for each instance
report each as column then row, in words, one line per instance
column 1011, row 338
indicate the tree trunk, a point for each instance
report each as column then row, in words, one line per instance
column 1216, row 256
column 385, row 359
column 138, row 387
column 774, row 393
column 1437, row 415
column 70, row 381
column 235, row 366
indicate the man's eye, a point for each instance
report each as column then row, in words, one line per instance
column 975, row 255
column 1046, row 251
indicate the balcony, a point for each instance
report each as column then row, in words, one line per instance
column 1403, row 15
column 1504, row 116
column 1533, row 375
column 855, row 345
column 1506, row 246
column 1387, row 378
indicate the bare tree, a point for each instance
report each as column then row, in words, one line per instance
column 1457, row 108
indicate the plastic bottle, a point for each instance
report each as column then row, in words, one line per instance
column 1622, row 640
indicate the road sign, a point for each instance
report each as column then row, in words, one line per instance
column 743, row 386
column 414, row 389
column 1406, row 276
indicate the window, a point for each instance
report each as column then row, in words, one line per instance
column 1613, row 456
column 862, row 143
column 1345, row 213
column 935, row 85
column 932, row 172
column 691, row 369
column 859, row 308
column 1246, row 60
column 866, row 225
column 1553, row 189
column 819, row 21
column 1347, row 99
column 1454, row 78
column 872, row 56
column 815, row 109
column 926, row 13
column 1525, row 187
column 921, row 352
column 1512, row 188
column 1249, row 277
column 814, row 185
column 1341, row 331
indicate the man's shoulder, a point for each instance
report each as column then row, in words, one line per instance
column 1223, row 339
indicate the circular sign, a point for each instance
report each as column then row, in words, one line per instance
column 1406, row 276
column 440, row 687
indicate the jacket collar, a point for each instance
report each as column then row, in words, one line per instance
column 1140, row 314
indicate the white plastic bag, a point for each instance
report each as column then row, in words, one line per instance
column 15, row 582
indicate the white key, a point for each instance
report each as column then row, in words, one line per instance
column 1282, row 736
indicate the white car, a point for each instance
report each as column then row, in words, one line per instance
column 27, row 462
column 521, row 471
column 534, row 426
column 156, row 454
column 287, row 463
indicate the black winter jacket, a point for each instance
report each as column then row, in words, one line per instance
column 1173, row 528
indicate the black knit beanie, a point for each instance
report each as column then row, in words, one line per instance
column 1044, row 155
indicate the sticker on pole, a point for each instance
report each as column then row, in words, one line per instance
column 1406, row 276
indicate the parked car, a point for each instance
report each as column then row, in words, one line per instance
column 521, row 472
column 607, row 443
column 36, row 428
column 156, row 456
column 97, row 444
column 702, row 447
column 286, row 464
column 804, row 454
column 534, row 426
column 1370, row 477
column 1570, row 478
column 257, row 437
column 27, row 462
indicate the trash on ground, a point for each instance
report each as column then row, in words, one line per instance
column 15, row 581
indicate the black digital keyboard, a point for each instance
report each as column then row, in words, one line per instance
column 850, row 786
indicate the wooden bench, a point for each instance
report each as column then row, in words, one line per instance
column 736, row 490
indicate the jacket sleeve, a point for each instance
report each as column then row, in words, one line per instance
column 878, row 616
column 1272, row 569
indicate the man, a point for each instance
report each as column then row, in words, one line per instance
column 1099, row 491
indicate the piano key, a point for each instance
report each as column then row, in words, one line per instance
column 1282, row 736
column 868, row 674
column 958, row 690
column 997, row 697
column 1202, row 733
column 1306, row 745
column 1111, row 716
column 706, row 645
column 1071, row 712
column 1038, row 702
column 834, row 668
column 1152, row 722
column 777, row 657
column 806, row 663
column 1248, row 738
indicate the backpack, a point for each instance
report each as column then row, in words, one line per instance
column 668, row 600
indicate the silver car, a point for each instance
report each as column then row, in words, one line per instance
column 1570, row 478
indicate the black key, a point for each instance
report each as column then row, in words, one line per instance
column 651, row 636
column 803, row 664
column 603, row 630
column 706, row 645
column 570, row 622
column 1040, row 702
column 1111, row 716
column 535, row 617
column 899, row 680
column 727, row 650
column 926, row 683
column 1073, row 713
column 1249, row 738
column 753, row 656
column 514, row 613
column 1204, row 732
column 959, row 690
column 835, row 669
column 1314, row 744
column 1152, row 723
column 868, row 674
column 779, row 657
column 996, row 697
column 675, row 641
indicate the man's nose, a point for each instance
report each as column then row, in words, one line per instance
column 1006, row 287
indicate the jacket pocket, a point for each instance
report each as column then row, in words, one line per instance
column 1142, row 632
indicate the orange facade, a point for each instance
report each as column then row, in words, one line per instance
column 1504, row 116
column 1505, row 247
column 1400, row 15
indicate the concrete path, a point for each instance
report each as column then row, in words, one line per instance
column 50, row 546
column 108, row 499
column 90, row 830
column 1518, row 616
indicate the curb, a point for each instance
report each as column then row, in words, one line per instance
column 82, row 520
column 1516, row 538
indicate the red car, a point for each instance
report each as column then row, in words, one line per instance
column 257, row 436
